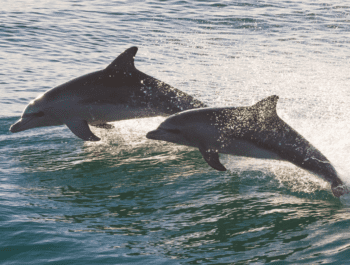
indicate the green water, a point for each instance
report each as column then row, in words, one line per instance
column 127, row 199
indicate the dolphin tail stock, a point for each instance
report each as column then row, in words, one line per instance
column 106, row 126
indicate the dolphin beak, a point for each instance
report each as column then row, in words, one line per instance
column 16, row 127
column 20, row 125
column 156, row 134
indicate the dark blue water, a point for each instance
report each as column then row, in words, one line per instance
column 127, row 199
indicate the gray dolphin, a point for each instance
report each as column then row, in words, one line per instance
column 254, row 131
column 116, row 93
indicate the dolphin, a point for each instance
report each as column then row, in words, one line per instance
column 117, row 92
column 255, row 131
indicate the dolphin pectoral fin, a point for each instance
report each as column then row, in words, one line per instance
column 212, row 158
column 103, row 126
column 81, row 129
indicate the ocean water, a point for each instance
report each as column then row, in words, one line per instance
column 127, row 199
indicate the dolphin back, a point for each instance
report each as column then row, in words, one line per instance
column 146, row 90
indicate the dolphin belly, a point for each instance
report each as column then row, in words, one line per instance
column 247, row 149
column 102, row 113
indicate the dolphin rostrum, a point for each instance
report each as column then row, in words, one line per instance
column 118, row 92
column 255, row 131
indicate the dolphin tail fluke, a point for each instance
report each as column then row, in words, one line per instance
column 81, row 129
column 212, row 158
column 339, row 190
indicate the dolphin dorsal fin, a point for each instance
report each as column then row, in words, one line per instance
column 124, row 61
column 267, row 106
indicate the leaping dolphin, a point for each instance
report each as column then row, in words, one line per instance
column 116, row 93
column 255, row 131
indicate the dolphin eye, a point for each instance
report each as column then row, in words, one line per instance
column 39, row 114
column 176, row 131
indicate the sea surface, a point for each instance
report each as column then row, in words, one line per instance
column 130, row 200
